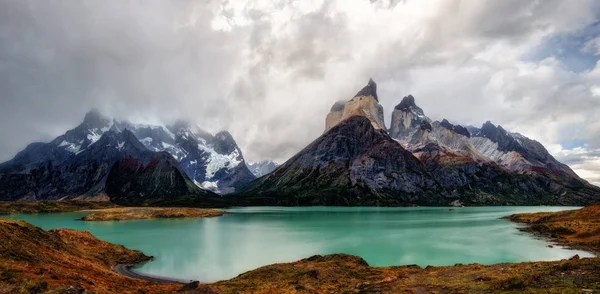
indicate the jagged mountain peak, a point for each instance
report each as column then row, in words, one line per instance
column 369, row 90
column 365, row 103
column 408, row 104
column 407, row 119
column 455, row 128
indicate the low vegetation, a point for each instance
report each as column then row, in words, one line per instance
column 576, row 228
column 341, row 273
column 16, row 207
column 131, row 213
column 66, row 261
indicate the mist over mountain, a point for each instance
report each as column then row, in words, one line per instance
column 76, row 164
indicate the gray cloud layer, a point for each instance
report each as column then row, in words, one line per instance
column 268, row 71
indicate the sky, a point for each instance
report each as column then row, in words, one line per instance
column 269, row 70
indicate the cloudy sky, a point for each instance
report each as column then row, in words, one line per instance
column 269, row 70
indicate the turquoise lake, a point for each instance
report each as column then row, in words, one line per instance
column 221, row 248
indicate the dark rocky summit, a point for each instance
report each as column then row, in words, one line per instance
column 408, row 104
column 369, row 90
column 455, row 128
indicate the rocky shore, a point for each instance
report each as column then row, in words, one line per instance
column 572, row 228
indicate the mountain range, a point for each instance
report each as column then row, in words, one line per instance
column 358, row 161
column 262, row 168
column 77, row 164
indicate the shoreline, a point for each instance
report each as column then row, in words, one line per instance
column 127, row 271
column 334, row 273
column 572, row 229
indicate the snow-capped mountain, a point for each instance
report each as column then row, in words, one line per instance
column 262, row 168
column 211, row 162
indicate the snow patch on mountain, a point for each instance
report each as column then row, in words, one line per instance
column 218, row 161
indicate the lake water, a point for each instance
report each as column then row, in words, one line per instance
column 223, row 247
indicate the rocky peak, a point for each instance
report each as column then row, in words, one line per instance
column 224, row 143
column 364, row 103
column 408, row 104
column 94, row 119
column 369, row 90
column 455, row 128
column 499, row 135
column 407, row 119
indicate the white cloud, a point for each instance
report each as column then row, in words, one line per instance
column 268, row 71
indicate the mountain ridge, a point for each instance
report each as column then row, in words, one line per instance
column 418, row 162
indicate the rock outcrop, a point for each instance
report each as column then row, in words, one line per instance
column 407, row 119
column 365, row 103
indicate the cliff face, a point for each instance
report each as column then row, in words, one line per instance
column 365, row 103
column 407, row 119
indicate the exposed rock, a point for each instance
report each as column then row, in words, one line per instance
column 335, row 115
column 407, row 119
column 456, row 203
column 369, row 90
column 455, row 128
column 365, row 103
column 426, row 126
column 351, row 164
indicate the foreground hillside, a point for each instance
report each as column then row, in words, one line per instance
column 341, row 273
column 66, row 261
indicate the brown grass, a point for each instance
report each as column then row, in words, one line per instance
column 36, row 261
column 15, row 207
column 340, row 273
column 577, row 228
column 131, row 213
